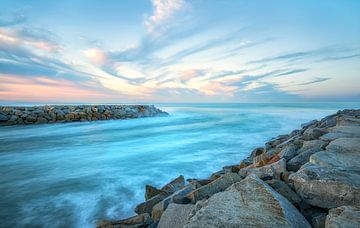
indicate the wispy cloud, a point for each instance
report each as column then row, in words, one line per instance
column 164, row 10
column 16, row 18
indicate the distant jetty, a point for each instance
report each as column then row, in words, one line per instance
column 20, row 115
column 307, row 178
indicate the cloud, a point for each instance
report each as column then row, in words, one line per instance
column 16, row 19
column 164, row 10
column 316, row 80
column 95, row 55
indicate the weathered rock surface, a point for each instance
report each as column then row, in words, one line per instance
column 175, row 216
column 284, row 190
column 215, row 186
column 132, row 222
column 151, row 191
column 272, row 170
column 13, row 115
column 248, row 203
column 147, row 206
column 343, row 217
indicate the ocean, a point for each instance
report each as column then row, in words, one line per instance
column 74, row 174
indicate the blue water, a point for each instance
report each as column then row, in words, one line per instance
column 71, row 175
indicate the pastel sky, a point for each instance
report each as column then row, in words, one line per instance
column 179, row 51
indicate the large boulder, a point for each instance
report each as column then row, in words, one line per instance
column 151, row 191
column 327, row 186
column 248, row 203
column 147, row 206
column 175, row 216
column 284, row 190
column 218, row 185
column 343, row 217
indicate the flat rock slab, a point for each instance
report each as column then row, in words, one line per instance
column 248, row 203
column 343, row 217
column 175, row 216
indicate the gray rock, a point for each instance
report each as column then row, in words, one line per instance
column 215, row 186
column 3, row 117
column 132, row 222
column 257, row 152
column 313, row 133
column 175, row 216
column 343, row 217
column 284, row 190
column 147, row 206
column 288, row 152
column 272, row 170
column 295, row 163
column 308, row 124
column 178, row 197
column 318, row 221
column 327, row 186
column 248, row 203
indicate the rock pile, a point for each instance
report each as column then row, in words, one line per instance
column 308, row 178
column 13, row 115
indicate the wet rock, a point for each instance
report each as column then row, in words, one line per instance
column 147, row 206
column 178, row 197
column 175, row 216
column 288, row 152
column 343, row 217
column 175, row 184
column 197, row 183
column 151, row 191
column 135, row 221
column 217, row 174
column 274, row 142
column 231, row 168
column 215, row 186
column 3, row 117
column 248, row 203
column 308, row 124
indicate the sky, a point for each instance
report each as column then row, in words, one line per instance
column 179, row 51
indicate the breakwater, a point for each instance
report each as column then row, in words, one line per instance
column 19, row 115
column 307, row 178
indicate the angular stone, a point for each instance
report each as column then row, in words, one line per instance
column 177, row 197
column 175, row 184
column 197, row 183
column 272, row 170
column 215, row 186
column 231, row 168
column 313, row 133
column 147, row 206
column 345, row 145
column 31, row 119
column 288, row 152
column 151, row 191
column 3, row 117
column 175, row 216
column 248, row 203
column 343, row 217
column 257, row 152
column 135, row 221
column 295, row 163
column 327, row 186
column 308, row 124
column 284, row 190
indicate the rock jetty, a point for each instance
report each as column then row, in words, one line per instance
column 308, row 178
column 18, row 115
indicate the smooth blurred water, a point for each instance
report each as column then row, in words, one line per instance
column 73, row 174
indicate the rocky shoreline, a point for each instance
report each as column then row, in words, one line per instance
column 19, row 115
column 308, row 178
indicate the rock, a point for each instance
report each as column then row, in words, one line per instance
column 3, row 117
column 135, row 221
column 215, row 186
column 343, row 217
column 274, row 142
column 327, row 186
column 288, row 152
column 272, row 170
column 175, row 216
column 295, row 163
column 318, row 221
column 261, row 157
column 217, row 174
column 151, row 191
column 175, row 184
column 248, row 203
column 147, row 206
column 41, row 120
column 284, row 190
column 231, row 168
column 178, row 197
column 345, row 145
column 197, row 183
column 257, row 152
column 308, row 124
column 31, row 119
column 313, row 133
